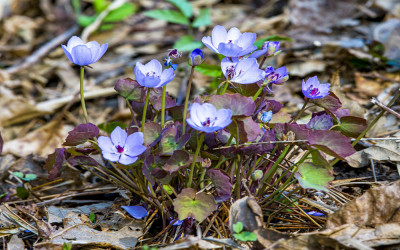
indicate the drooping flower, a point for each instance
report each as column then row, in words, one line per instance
column 172, row 55
column 232, row 43
column 83, row 54
column 276, row 76
column 151, row 74
column 196, row 57
column 121, row 147
column 243, row 71
column 205, row 117
column 268, row 49
column 313, row 89
column 320, row 122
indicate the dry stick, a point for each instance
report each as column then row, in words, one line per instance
column 381, row 105
column 42, row 51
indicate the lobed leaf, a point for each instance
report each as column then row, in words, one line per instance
column 240, row 105
column 179, row 159
column 171, row 142
column 330, row 102
column 313, row 176
column 55, row 162
column 130, row 90
column 152, row 133
column 81, row 134
column 352, row 126
column 332, row 143
column 222, row 184
column 79, row 160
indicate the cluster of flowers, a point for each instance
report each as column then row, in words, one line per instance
column 239, row 66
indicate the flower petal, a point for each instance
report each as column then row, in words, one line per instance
column 106, row 144
column 127, row 160
column 67, row 53
column 139, row 76
column 225, row 64
column 111, row 156
column 100, row 53
column 118, row 137
column 208, row 42
column 218, row 35
column 233, row 34
column 246, row 40
column 153, row 66
column 166, row 76
column 82, row 55
column 224, row 117
column 229, row 49
column 74, row 41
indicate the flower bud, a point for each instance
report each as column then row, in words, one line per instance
column 272, row 47
column 264, row 116
column 196, row 57
column 257, row 175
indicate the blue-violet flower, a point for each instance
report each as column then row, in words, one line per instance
column 320, row 122
column 205, row 117
column 121, row 147
column 276, row 76
column 265, row 116
column 268, row 49
column 243, row 71
column 232, row 43
column 313, row 89
column 196, row 57
column 172, row 55
column 83, row 54
column 151, row 74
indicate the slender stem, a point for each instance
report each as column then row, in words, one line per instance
column 145, row 108
column 199, row 144
column 203, row 173
column 259, row 91
column 132, row 113
column 187, row 100
column 262, row 61
column 225, row 88
column 301, row 110
column 82, row 95
column 164, row 92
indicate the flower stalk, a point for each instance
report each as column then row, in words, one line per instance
column 82, row 95
column 199, row 144
column 187, row 100
column 164, row 92
column 146, row 104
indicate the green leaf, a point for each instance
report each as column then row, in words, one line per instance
column 184, row 6
column 198, row 206
column 187, row 43
column 27, row 177
column 85, row 21
column 109, row 127
column 246, row 236
column 351, row 126
column 22, row 193
column 67, row 246
column 203, row 19
column 168, row 15
column 121, row 13
column 99, row 5
column 238, row 227
column 209, row 70
column 167, row 188
column 272, row 38
column 92, row 217
column 313, row 176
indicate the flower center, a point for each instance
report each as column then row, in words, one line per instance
column 120, row 149
column 314, row 91
column 230, row 71
column 208, row 122
column 151, row 74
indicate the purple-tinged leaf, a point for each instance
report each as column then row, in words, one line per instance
column 137, row 212
column 152, row 133
column 331, row 142
column 244, row 89
column 179, row 159
column 260, row 148
column 313, row 176
column 198, row 206
column 352, row 126
column 248, row 129
column 171, row 142
column 82, row 160
column 169, row 102
column 299, row 130
column 176, row 112
column 240, row 105
column 330, row 102
column 130, row 90
column 55, row 162
column 320, row 122
column 84, row 151
column 81, row 134
column 341, row 112
column 151, row 168
column 222, row 184
column 1, row 143
column 110, row 126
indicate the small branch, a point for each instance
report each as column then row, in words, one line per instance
column 382, row 106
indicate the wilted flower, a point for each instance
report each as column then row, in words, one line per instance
column 268, row 49
column 151, row 75
column 257, row 175
column 320, row 122
column 83, row 54
column 207, row 118
column 172, row 55
column 196, row 57
column 276, row 76
column 243, row 71
column 137, row 212
column 313, row 89
column 121, row 147
column 232, row 43
column 265, row 116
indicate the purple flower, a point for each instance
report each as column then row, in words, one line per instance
column 313, row 89
column 207, row 118
column 83, row 54
column 276, row 76
column 320, row 122
column 151, row 74
column 196, row 57
column 232, row 43
column 121, row 147
column 172, row 55
column 243, row 71
column 268, row 49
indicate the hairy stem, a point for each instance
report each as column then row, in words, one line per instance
column 164, row 92
column 82, row 95
column 199, row 144
column 145, row 109
column 187, row 100
column 301, row 111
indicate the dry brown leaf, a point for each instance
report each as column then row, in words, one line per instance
column 248, row 212
column 377, row 206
